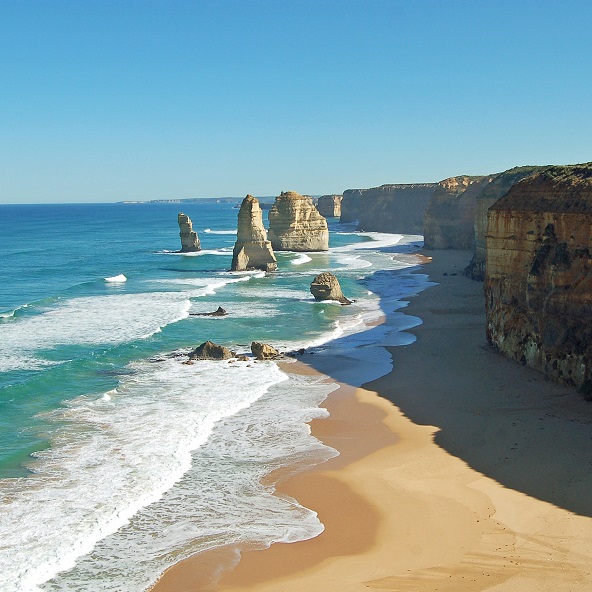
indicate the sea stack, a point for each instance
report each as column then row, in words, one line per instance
column 538, row 277
column 296, row 225
column 252, row 250
column 189, row 239
column 329, row 206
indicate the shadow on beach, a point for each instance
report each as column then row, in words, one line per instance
column 506, row 421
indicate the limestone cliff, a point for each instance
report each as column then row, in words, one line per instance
column 329, row 206
column 538, row 283
column 252, row 250
column 189, row 239
column 449, row 217
column 498, row 187
column 388, row 208
column 296, row 225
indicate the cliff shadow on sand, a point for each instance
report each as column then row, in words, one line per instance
column 506, row 421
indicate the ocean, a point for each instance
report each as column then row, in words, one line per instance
column 116, row 459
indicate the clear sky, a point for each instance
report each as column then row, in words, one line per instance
column 105, row 100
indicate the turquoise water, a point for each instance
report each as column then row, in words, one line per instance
column 116, row 460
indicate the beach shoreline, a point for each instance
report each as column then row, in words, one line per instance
column 458, row 471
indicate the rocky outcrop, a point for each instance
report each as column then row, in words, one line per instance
column 296, row 225
column 538, row 283
column 210, row 351
column 252, row 250
column 450, row 216
column 329, row 206
column 219, row 312
column 498, row 187
column 326, row 287
column 388, row 208
column 264, row 351
column 189, row 239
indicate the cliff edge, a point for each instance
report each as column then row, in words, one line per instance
column 538, row 284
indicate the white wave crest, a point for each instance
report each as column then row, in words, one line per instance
column 116, row 279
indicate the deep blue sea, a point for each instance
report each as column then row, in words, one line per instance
column 117, row 460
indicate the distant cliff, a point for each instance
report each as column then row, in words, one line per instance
column 538, row 284
column 329, row 206
column 296, row 225
column 499, row 186
column 388, row 208
column 450, row 215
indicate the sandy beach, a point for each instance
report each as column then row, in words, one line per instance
column 458, row 471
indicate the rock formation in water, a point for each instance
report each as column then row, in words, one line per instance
column 296, row 225
column 449, row 221
column 189, row 239
column 329, row 206
column 210, row 351
column 252, row 250
column 264, row 351
column 388, row 208
column 326, row 287
column 219, row 312
column 538, row 284
column 498, row 187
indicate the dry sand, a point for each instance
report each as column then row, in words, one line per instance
column 477, row 476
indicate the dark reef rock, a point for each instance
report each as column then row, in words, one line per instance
column 219, row 312
column 211, row 351
column 326, row 287
column 538, row 284
column 189, row 239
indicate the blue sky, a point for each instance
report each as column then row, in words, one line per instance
column 127, row 100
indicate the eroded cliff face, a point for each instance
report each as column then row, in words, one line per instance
column 329, row 206
column 388, row 208
column 449, row 217
column 252, row 250
column 498, row 187
column 538, row 284
column 296, row 225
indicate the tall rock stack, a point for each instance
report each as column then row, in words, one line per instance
column 538, row 283
column 498, row 187
column 252, row 250
column 449, row 220
column 296, row 225
column 329, row 206
column 189, row 239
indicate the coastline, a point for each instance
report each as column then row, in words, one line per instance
column 478, row 479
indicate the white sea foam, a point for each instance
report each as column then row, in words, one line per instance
column 112, row 456
column 300, row 259
column 96, row 320
column 116, row 279
column 210, row 231
column 221, row 499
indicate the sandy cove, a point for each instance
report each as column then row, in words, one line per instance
column 468, row 473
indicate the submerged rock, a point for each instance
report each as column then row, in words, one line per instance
column 296, row 225
column 326, row 287
column 211, row 351
column 263, row 351
column 189, row 239
column 252, row 250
